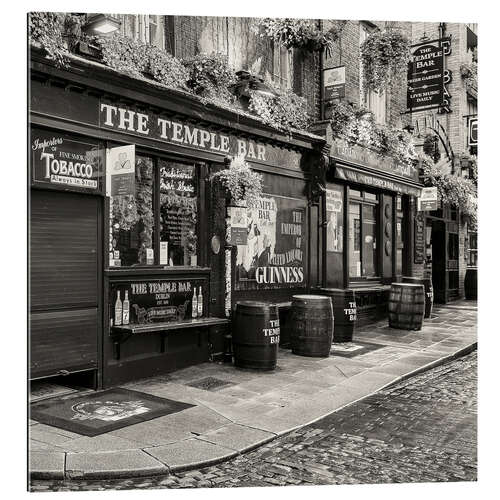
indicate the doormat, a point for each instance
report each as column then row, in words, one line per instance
column 44, row 390
column 99, row 412
column 210, row 384
column 352, row 349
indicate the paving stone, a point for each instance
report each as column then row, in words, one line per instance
column 47, row 464
column 237, row 437
column 112, row 464
column 190, row 452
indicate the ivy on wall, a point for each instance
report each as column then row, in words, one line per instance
column 207, row 76
column 357, row 125
column 452, row 189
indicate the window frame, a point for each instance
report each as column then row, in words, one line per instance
column 282, row 76
column 363, row 201
column 202, row 170
column 371, row 100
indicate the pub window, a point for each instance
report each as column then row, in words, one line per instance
column 158, row 224
column 132, row 221
column 363, row 253
column 472, row 249
column 178, row 214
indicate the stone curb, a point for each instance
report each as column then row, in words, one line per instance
column 39, row 474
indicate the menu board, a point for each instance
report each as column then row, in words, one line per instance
column 178, row 211
column 419, row 239
column 334, row 220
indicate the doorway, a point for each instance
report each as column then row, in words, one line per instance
column 438, row 242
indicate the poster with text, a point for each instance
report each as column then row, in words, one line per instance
column 334, row 220
column 274, row 254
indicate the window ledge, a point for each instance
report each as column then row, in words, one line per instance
column 157, row 270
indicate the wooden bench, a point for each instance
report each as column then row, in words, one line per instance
column 121, row 334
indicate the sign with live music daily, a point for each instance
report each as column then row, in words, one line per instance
column 426, row 74
column 62, row 162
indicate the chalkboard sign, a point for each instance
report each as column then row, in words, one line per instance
column 419, row 239
column 154, row 300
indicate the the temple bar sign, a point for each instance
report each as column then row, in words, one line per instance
column 176, row 132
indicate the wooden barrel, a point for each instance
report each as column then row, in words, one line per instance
column 344, row 312
column 429, row 292
column 470, row 283
column 311, row 325
column 406, row 306
column 256, row 335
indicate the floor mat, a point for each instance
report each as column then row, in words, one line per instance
column 99, row 412
column 352, row 349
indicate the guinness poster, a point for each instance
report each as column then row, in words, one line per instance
column 274, row 253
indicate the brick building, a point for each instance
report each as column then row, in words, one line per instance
column 453, row 245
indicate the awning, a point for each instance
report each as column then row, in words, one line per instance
column 359, row 176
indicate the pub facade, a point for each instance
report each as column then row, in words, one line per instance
column 132, row 269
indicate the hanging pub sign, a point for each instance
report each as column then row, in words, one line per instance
column 62, row 162
column 274, row 253
column 427, row 75
column 473, row 131
column 333, row 88
column 120, row 171
column 428, row 199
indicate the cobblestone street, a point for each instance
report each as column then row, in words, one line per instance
column 420, row 430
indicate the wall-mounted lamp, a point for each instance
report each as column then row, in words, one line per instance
column 102, row 24
column 247, row 81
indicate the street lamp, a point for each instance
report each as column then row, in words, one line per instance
column 247, row 81
column 102, row 24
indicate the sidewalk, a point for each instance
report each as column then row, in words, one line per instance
column 238, row 410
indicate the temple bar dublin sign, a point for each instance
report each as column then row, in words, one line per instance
column 427, row 75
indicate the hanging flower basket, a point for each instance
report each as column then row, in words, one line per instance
column 242, row 186
column 384, row 58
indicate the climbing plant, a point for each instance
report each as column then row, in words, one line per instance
column 46, row 29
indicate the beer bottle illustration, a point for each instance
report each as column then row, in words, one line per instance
column 126, row 309
column 200, row 304
column 194, row 305
column 118, row 310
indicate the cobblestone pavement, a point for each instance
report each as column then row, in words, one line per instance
column 420, row 430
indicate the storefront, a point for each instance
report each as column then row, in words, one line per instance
column 371, row 231
column 128, row 232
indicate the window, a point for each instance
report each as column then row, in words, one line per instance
column 146, row 28
column 158, row 224
column 374, row 101
column 472, row 249
column 282, row 64
column 178, row 214
column 131, row 219
column 363, row 252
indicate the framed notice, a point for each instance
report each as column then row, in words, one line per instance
column 473, row 131
column 120, row 171
column 239, row 225
column 334, row 220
